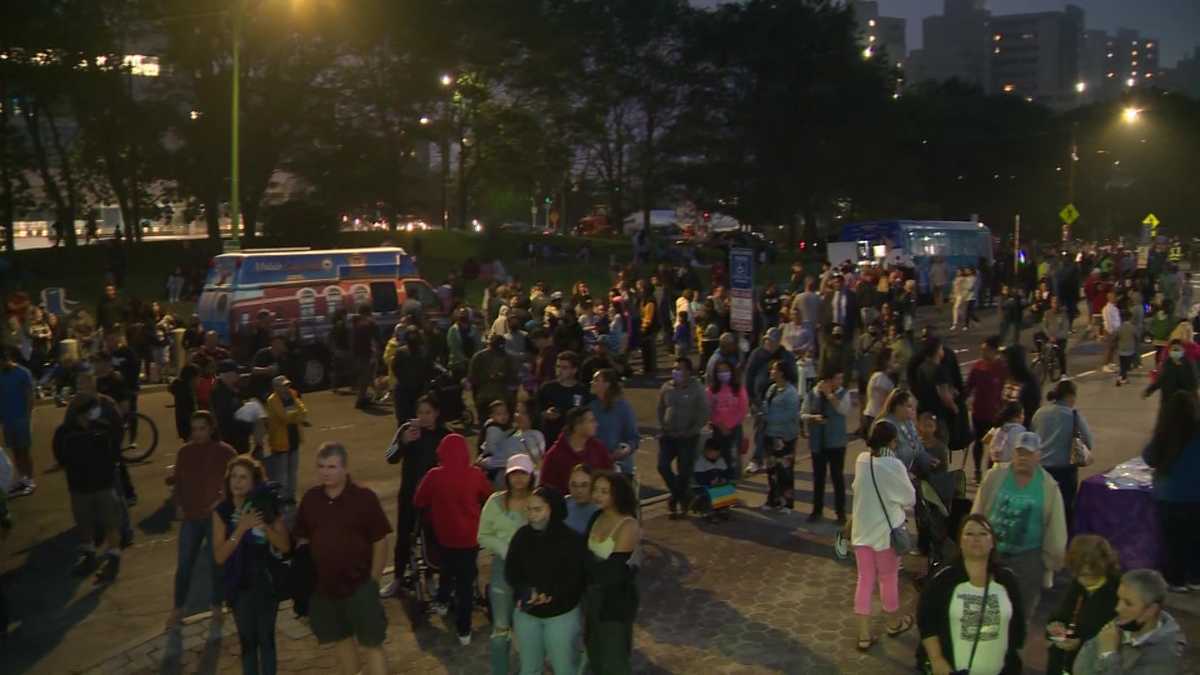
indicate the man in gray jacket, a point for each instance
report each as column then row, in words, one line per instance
column 682, row 413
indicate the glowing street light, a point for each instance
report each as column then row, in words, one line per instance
column 447, row 80
column 425, row 121
column 1131, row 115
column 1080, row 87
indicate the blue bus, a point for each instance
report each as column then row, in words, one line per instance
column 959, row 243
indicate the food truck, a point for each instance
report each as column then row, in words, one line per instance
column 306, row 288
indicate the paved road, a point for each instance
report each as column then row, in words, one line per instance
column 760, row 593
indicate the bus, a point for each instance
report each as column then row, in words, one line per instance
column 918, row 242
column 306, row 288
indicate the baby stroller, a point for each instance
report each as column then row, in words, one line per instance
column 941, row 505
column 447, row 389
column 423, row 567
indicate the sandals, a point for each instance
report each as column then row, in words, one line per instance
column 865, row 645
column 906, row 622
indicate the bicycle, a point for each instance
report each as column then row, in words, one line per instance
column 140, row 439
column 1047, row 363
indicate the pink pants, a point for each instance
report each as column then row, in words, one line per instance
column 885, row 566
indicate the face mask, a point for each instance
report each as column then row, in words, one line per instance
column 1176, row 354
column 93, row 414
column 1132, row 626
column 677, row 376
column 724, row 376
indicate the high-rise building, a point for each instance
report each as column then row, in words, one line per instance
column 1185, row 76
column 881, row 34
column 1131, row 60
column 1037, row 55
column 956, row 44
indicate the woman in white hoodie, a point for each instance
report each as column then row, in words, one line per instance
column 882, row 490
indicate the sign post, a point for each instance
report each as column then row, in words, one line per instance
column 741, row 290
column 1069, row 215
column 1017, row 246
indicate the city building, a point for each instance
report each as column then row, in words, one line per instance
column 881, row 34
column 1037, row 56
column 956, row 44
column 1185, row 76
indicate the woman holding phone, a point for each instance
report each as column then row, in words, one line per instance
column 545, row 570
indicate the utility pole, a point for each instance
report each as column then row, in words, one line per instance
column 1017, row 246
column 234, row 169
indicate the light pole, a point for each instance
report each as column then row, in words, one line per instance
column 447, row 81
column 235, row 164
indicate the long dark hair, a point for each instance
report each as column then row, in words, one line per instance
column 554, row 500
column 1178, row 422
column 620, row 490
column 614, row 391
column 735, row 379
column 985, row 523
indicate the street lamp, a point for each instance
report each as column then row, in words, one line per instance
column 447, row 80
column 1130, row 115
column 1080, row 87
column 425, row 121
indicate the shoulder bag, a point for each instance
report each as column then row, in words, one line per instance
column 901, row 540
column 1081, row 454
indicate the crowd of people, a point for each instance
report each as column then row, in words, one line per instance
column 550, row 488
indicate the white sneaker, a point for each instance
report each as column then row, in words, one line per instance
column 390, row 589
column 464, row 640
column 753, row 467
column 441, row 608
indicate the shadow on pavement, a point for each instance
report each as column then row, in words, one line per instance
column 160, row 521
column 679, row 614
column 41, row 596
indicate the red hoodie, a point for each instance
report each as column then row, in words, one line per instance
column 561, row 458
column 454, row 492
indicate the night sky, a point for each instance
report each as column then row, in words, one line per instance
column 1176, row 23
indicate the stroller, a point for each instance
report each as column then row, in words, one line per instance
column 941, row 505
column 424, row 558
column 447, row 389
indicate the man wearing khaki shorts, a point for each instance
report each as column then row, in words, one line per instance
column 347, row 530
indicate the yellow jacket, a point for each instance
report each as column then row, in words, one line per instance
column 278, row 419
column 389, row 355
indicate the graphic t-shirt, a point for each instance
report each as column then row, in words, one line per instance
column 965, row 605
column 1016, row 515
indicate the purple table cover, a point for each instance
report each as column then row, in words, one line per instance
column 1127, row 518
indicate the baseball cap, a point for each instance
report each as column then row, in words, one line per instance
column 1029, row 441
column 227, row 366
column 773, row 334
column 520, row 462
column 556, row 295
column 281, row 381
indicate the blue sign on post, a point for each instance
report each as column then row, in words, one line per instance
column 741, row 289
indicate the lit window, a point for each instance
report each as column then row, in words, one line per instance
column 1133, row 53
column 1110, row 55
column 871, row 23
column 1130, row 82
column 145, row 66
column 1149, row 45
column 1134, row 64
column 1149, row 75
column 996, row 50
column 1009, row 87
column 997, row 37
column 1112, row 75
column 870, row 38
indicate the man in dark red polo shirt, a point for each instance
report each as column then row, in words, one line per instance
column 347, row 530
column 984, row 385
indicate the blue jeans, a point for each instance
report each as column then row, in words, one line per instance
column 195, row 536
column 284, row 468
column 682, row 450
column 501, row 596
column 254, row 611
column 556, row 638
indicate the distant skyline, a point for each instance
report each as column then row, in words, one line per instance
column 1175, row 23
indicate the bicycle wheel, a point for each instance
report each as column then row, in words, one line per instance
column 141, row 439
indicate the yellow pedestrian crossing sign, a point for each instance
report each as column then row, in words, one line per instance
column 1151, row 220
column 1069, row 214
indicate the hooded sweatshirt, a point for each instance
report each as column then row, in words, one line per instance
column 1160, row 651
column 454, row 492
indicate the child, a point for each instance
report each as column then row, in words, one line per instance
column 682, row 336
column 1126, row 346
column 494, row 443
column 931, row 438
column 710, row 471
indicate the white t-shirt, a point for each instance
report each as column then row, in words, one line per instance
column 895, row 488
column 964, row 622
column 875, row 400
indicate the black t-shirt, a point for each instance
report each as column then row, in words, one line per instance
column 127, row 363
column 770, row 304
column 555, row 394
column 260, row 385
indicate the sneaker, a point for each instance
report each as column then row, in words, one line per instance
column 783, row 509
column 441, row 608
column 390, row 589
column 84, row 565
column 108, row 569
column 22, row 488
column 841, row 546
column 753, row 467
column 464, row 640
column 1194, row 587
column 1178, row 589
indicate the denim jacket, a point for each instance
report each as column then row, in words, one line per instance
column 781, row 411
column 832, row 432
